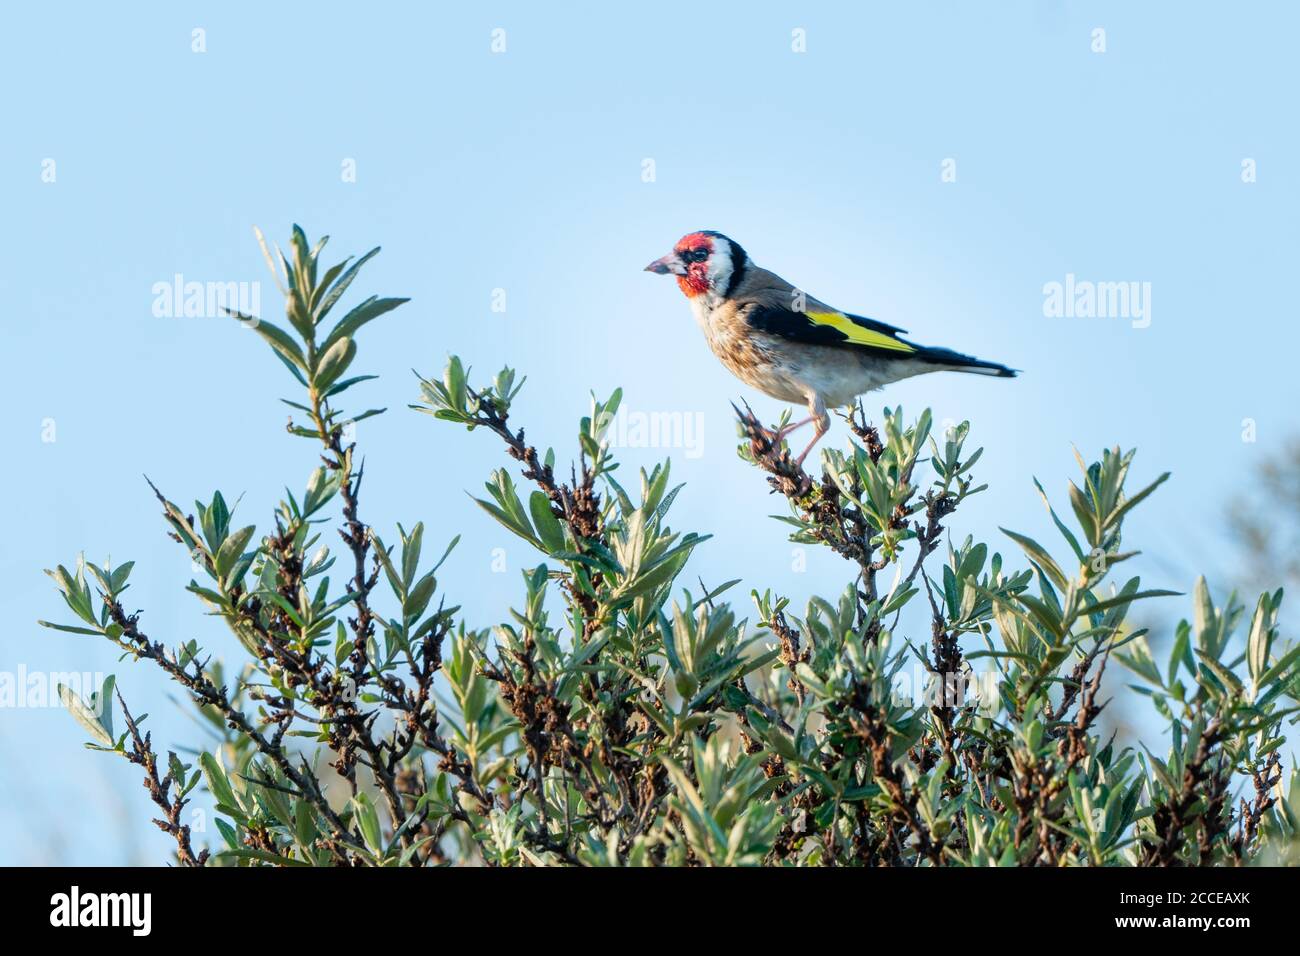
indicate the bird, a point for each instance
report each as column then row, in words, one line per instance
column 787, row 344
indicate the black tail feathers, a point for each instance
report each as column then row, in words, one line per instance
column 966, row 363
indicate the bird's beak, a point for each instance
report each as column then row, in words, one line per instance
column 669, row 263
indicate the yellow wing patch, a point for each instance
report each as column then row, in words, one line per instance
column 857, row 334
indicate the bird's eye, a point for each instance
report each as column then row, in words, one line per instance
column 698, row 255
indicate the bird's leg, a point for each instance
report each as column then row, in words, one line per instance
column 779, row 435
column 821, row 425
column 816, row 438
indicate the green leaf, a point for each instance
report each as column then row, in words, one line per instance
column 347, row 383
column 70, row 628
column 1130, row 503
column 368, row 821
column 1038, row 554
column 1121, row 600
column 292, row 368
column 120, row 574
column 411, row 548
column 218, row 782
column 232, row 549
column 1260, row 640
column 83, row 715
column 371, row 309
column 333, row 363
column 304, row 829
column 276, row 337
column 264, row 856
column 386, row 561
column 1083, row 512
column 270, row 262
column 341, row 286
column 1060, row 525
column 1181, row 653
column 1204, row 620
column 548, row 526
column 103, row 701
column 1281, row 667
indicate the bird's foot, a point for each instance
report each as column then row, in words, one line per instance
column 781, row 433
column 766, row 439
column 766, row 449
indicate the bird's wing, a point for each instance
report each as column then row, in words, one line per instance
column 772, row 305
column 875, row 324
column 821, row 325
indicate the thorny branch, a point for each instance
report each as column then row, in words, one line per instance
column 141, row 754
column 205, row 693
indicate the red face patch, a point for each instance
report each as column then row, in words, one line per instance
column 693, row 242
column 696, row 280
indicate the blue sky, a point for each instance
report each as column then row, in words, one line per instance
column 523, row 171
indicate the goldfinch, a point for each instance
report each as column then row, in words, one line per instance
column 789, row 345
